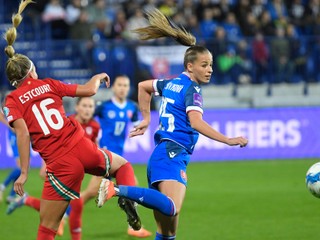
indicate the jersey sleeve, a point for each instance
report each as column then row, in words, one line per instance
column 193, row 99
column 159, row 85
column 11, row 111
column 63, row 89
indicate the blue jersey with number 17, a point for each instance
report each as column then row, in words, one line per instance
column 179, row 96
column 114, row 118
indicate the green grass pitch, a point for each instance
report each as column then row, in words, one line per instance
column 247, row 200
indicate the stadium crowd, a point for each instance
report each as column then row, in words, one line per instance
column 252, row 41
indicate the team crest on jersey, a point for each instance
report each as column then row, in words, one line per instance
column 111, row 114
column 89, row 130
column 121, row 114
column 6, row 111
column 129, row 113
column 184, row 175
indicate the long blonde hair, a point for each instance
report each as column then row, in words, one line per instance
column 161, row 26
column 18, row 66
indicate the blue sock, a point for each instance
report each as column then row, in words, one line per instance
column 149, row 198
column 163, row 237
column 13, row 176
column 12, row 192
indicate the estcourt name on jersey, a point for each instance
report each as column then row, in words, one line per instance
column 34, row 93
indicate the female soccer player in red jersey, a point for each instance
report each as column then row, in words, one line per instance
column 35, row 111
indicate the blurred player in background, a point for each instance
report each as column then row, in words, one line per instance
column 15, row 173
column 180, row 119
column 114, row 116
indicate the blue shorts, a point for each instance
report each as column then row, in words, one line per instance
column 13, row 143
column 168, row 162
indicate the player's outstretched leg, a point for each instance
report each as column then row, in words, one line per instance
column 146, row 197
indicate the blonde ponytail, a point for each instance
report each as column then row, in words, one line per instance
column 18, row 66
column 161, row 26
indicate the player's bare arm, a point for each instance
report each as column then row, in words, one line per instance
column 23, row 142
column 144, row 98
column 91, row 87
column 204, row 128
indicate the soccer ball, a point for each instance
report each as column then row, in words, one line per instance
column 313, row 179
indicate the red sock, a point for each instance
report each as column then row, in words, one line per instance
column 125, row 175
column 75, row 219
column 45, row 233
column 32, row 202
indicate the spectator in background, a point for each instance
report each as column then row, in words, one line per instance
column 260, row 54
column 55, row 15
column 168, row 8
column 242, row 9
column 277, row 9
column 101, row 25
column 53, row 12
column 149, row 5
column 208, row 25
column 312, row 17
column 119, row 25
column 280, row 56
column 232, row 28
column 296, row 13
column 219, row 45
column 134, row 22
column 200, row 8
column 245, row 66
column 251, row 25
column 187, row 8
column 228, row 67
column 73, row 11
column 257, row 8
column 193, row 26
column 267, row 27
column 298, row 53
column 81, row 30
column 223, row 8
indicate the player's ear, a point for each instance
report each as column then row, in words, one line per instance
column 190, row 67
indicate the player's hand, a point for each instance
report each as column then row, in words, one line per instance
column 140, row 129
column 105, row 79
column 19, row 183
column 237, row 141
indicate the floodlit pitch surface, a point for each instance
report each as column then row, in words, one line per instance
column 247, row 200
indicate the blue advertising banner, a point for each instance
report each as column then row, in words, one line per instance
column 272, row 133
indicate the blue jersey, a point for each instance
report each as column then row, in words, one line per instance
column 114, row 118
column 179, row 95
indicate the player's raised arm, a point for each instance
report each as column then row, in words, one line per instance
column 23, row 142
column 144, row 98
column 204, row 128
column 91, row 87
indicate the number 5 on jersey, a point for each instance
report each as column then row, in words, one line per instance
column 45, row 116
column 164, row 114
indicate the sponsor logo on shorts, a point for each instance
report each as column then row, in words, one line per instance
column 184, row 175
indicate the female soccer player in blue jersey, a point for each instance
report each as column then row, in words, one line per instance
column 180, row 119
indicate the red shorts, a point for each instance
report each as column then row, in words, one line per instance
column 65, row 175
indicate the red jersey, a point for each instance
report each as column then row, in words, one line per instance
column 91, row 128
column 39, row 103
